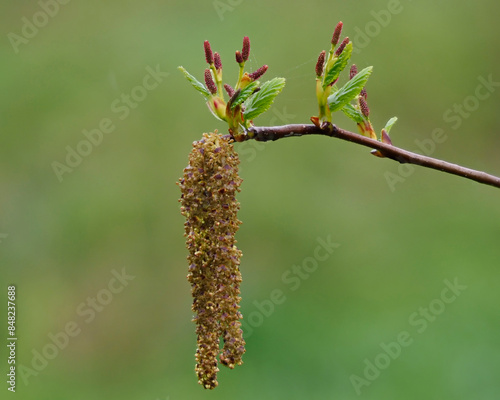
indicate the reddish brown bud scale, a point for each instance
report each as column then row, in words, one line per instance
column 320, row 64
column 239, row 57
column 363, row 105
column 334, row 82
column 209, row 81
column 385, row 137
column 245, row 51
column 353, row 72
column 209, row 56
column 316, row 121
column 217, row 62
column 336, row 33
column 377, row 153
column 257, row 74
column 229, row 89
column 341, row 47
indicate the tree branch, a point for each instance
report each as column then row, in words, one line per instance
column 266, row 133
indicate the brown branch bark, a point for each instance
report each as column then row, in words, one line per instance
column 266, row 133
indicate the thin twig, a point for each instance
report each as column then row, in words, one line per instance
column 266, row 133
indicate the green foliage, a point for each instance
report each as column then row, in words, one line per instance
column 350, row 111
column 196, row 84
column 262, row 100
column 390, row 124
column 338, row 66
column 248, row 99
column 244, row 94
column 349, row 91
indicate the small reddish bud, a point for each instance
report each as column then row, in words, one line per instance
column 353, row 72
column 229, row 89
column 385, row 137
column 239, row 57
column 377, row 153
column 315, row 121
column 336, row 33
column 341, row 47
column 231, row 100
column 257, row 74
column 209, row 56
column 320, row 63
column 245, row 51
column 364, row 94
column 217, row 62
column 363, row 105
column 209, row 81
column 334, row 82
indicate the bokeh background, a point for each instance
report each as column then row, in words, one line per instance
column 62, row 240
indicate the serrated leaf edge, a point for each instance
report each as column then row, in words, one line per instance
column 269, row 89
column 338, row 66
column 358, row 81
column 195, row 83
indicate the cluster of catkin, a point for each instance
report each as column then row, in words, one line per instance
column 209, row 186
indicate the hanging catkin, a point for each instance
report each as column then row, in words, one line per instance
column 208, row 202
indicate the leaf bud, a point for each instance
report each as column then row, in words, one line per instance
column 257, row 74
column 336, row 33
column 217, row 62
column 245, row 51
column 320, row 64
column 341, row 47
column 239, row 57
column 209, row 82
column 209, row 56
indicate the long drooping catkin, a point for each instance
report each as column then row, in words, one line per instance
column 209, row 186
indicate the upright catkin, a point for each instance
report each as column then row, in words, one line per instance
column 208, row 201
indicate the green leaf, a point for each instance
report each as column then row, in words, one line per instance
column 390, row 124
column 196, row 84
column 353, row 113
column 338, row 66
column 349, row 91
column 244, row 94
column 262, row 100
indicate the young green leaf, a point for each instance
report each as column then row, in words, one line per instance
column 262, row 100
column 196, row 84
column 352, row 113
column 338, row 66
column 390, row 124
column 244, row 94
column 349, row 91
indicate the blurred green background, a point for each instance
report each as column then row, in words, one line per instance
column 64, row 240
